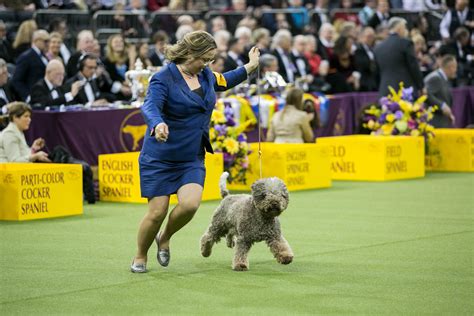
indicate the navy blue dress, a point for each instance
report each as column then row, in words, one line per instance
column 165, row 167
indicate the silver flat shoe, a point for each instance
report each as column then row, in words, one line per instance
column 138, row 267
column 163, row 255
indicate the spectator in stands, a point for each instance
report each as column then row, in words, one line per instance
column 299, row 20
column 262, row 39
column 31, row 65
column 13, row 146
column 282, row 42
column 461, row 48
column 326, row 41
column 234, row 58
column 218, row 64
column 142, row 54
column 85, row 45
column 397, row 61
column 303, row 71
column 425, row 61
column 218, row 23
column 364, row 61
column 182, row 31
column 381, row 16
column 24, row 37
column 155, row 5
column 343, row 76
column 54, row 48
column 367, row 11
column 439, row 91
column 222, row 38
column 291, row 125
column 7, row 94
column 50, row 92
column 244, row 34
column 6, row 49
column 92, row 93
column 311, row 54
column 160, row 40
column 119, row 57
column 420, row 5
column 60, row 26
column 163, row 171
column 268, row 63
column 348, row 15
column 461, row 15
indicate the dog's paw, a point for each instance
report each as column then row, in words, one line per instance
column 240, row 267
column 206, row 247
column 284, row 258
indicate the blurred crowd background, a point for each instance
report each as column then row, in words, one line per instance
column 323, row 46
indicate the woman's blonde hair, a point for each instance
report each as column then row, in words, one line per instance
column 116, row 58
column 193, row 45
column 25, row 33
column 295, row 98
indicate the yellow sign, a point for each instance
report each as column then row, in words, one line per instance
column 300, row 166
column 451, row 150
column 119, row 178
column 375, row 158
column 33, row 191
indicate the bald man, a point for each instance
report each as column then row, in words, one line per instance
column 50, row 91
column 31, row 65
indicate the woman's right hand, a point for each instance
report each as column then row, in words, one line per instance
column 161, row 132
column 40, row 156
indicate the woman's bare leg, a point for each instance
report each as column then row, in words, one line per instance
column 189, row 199
column 150, row 225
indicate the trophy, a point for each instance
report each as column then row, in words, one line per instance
column 139, row 78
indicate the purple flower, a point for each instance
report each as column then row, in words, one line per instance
column 424, row 118
column 398, row 115
column 412, row 124
column 395, row 131
column 393, row 107
column 407, row 94
column 228, row 157
column 384, row 101
column 241, row 138
column 382, row 118
column 220, row 129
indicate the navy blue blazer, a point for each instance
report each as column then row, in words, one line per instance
column 29, row 70
column 187, row 115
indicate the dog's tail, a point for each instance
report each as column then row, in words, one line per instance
column 222, row 184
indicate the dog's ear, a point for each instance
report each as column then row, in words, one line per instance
column 259, row 190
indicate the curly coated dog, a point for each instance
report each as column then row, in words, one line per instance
column 248, row 218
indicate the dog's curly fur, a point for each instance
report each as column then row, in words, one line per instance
column 248, row 218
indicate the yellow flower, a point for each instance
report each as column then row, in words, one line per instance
column 387, row 129
column 422, row 126
column 231, row 145
column 415, row 132
column 212, row 133
column 217, row 117
column 421, row 99
column 429, row 128
column 405, row 106
column 371, row 124
column 390, row 118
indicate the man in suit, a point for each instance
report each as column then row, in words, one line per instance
column 396, row 60
column 439, row 91
column 282, row 42
column 31, row 65
column 85, row 45
column 49, row 90
column 7, row 94
column 90, row 94
column 381, row 16
column 303, row 72
column 364, row 61
column 233, row 60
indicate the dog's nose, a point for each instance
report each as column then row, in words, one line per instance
column 275, row 204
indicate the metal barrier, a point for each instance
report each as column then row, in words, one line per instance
column 133, row 24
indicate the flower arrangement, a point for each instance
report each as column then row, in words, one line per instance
column 397, row 114
column 227, row 136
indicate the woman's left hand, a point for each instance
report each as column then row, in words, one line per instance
column 38, row 144
column 254, row 56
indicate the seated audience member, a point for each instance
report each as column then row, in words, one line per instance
column 49, row 90
column 60, row 26
column 346, row 15
column 438, row 88
column 85, row 45
column 326, row 41
column 13, row 146
column 342, row 75
column 142, row 54
column 462, row 49
column 303, row 71
column 218, row 64
column 425, row 61
column 282, row 42
column 54, row 48
column 291, row 125
column 364, row 61
column 7, row 94
column 31, row 65
column 91, row 93
column 381, row 16
column 262, row 39
column 6, row 49
column 234, row 58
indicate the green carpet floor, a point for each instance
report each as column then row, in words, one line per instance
column 367, row 248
